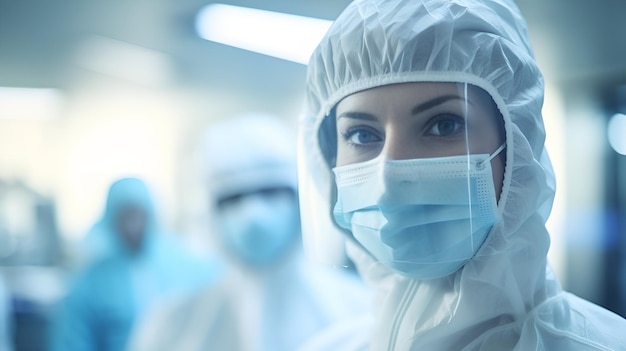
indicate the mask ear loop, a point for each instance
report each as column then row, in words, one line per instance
column 496, row 153
column 493, row 155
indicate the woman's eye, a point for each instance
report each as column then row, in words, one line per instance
column 446, row 127
column 362, row 136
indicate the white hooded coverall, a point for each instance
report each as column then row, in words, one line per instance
column 506, row 297
column 274, row 306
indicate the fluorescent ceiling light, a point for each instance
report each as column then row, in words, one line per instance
column 281, row 35
column 617, row 133
column 30, row 103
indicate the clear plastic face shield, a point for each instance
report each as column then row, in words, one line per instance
column 414, row 175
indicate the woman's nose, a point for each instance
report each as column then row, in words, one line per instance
column 400, row 146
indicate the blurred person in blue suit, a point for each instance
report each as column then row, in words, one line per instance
column 135, row 264
column 272, row 298
column 5, row 317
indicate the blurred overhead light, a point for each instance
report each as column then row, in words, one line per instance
column 617, row 133
column 281, row 35
column 124, row 60
column 30, row 103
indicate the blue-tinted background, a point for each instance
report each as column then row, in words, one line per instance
column 133, row 87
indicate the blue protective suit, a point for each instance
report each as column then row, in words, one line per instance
column 110, row 295
column 5, row 317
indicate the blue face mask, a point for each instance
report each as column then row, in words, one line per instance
column 259, row 228
column 423, row 218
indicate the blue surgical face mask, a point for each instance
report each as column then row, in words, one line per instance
column 259, row 228
column 423, row 218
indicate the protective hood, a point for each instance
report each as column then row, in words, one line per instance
column 248, row 153
column 251, row 155
column 161, row 248
column 505, row 297
column 103, row 238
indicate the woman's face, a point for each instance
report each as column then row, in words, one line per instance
column 419, row 120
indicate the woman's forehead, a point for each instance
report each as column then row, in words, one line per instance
column 415, row 92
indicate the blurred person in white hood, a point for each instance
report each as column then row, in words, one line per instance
column 271, row 298
column 423, row 143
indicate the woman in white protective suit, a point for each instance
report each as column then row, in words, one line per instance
column 270, row 299
column 423, row 138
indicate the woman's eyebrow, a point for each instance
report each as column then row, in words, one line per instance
column 435, row 102
column 358, row 115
